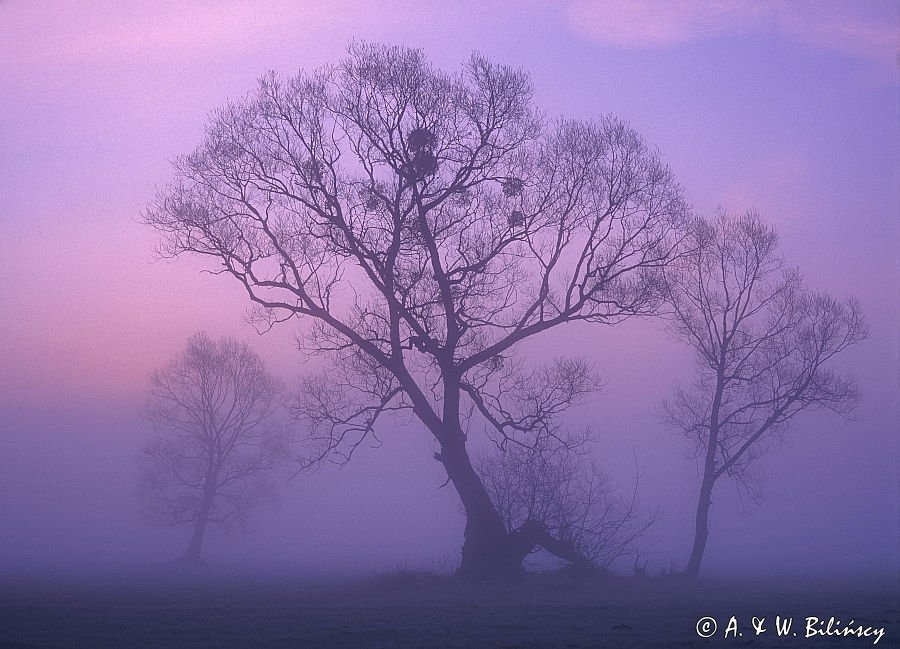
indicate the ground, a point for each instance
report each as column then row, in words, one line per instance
column 408, row 609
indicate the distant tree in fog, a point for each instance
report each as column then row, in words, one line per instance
column 220, row 446
column 763, row 345
column 558, row 500
column 426, row 224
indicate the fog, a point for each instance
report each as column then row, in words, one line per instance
column 783, row 114
column 830, row 509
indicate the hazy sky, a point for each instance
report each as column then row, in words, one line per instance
column 786, row 107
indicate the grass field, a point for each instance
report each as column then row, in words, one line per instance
column 407, row 609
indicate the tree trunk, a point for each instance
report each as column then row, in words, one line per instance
column 488, row 550
column 192, row 555
column 701, row 523
column 701, row 528
column 534, row 533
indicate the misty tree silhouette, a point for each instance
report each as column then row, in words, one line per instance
column 427, row 223
column 219, row 450
column 762, row 343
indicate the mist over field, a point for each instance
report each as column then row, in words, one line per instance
column 786, row 109
column 69, row 494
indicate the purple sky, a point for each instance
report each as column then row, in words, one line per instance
column 786, row 107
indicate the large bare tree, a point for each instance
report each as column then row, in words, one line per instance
column 763, row 344
column 219, row 448
column 425, row 224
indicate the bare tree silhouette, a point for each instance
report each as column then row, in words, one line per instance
column 426, row 224
column 216, row 458
column 763, row 343
column 555, row 499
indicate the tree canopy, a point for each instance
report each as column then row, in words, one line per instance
column 424, row 223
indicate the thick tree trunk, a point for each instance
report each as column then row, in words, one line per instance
column 488, row 551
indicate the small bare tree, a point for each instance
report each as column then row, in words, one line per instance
column 554, row 499
column 763, row 344
column 216, row 458
column 425, row 224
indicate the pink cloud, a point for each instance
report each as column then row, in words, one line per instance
column 865, row 30
column 658, row 23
